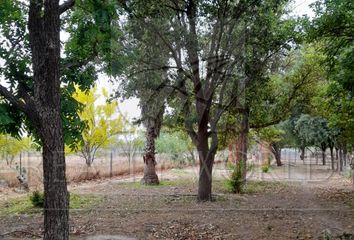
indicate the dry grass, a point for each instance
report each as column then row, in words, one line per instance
column 76, row 169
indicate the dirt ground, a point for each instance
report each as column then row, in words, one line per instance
column 300, row 201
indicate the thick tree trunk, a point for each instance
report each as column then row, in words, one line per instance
column 56, row 213
column 44, row 36
column 206, row 161
column 150, row 176
column 205, row 180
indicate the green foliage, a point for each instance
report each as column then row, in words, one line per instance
column 236, row 181
column 333, row 29
column 266, row 165
column 92, row 40
column 177, row 145
column 37, row 199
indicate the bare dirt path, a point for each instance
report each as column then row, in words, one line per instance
column 292, row 202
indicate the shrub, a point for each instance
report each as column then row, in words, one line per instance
column 37, row 199
column 266, row 165
column 236, row 182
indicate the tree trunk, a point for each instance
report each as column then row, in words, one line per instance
column 345, row 152
column 44, row 36
column 340, row 168
column 56, row 213
column 276, row 150
column 302, row 153
column 206, row 161
column 242, row 144
column 323, row 148
column 332, row 157
column 150, row 176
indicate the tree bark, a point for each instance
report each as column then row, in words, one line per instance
column 56, row 214
column 276, row 150
column 44, row 35
column 206, row 161
column 150, row 176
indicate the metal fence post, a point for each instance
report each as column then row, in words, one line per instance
column 111, row 165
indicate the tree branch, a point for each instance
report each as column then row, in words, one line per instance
column 66, row 6
column 17, row 103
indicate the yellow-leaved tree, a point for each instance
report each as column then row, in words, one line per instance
column 10, row 147
column 103, row 122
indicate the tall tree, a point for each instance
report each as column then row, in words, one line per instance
column 145, row 74
column 35, row 72
column 204, row 41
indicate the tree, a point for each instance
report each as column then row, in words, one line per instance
column 204, row 46
column 34, row 72
column 332, row 30
column 273, row 135
column 313, row 131
column 10, row 147
column 145, row 55
column 102, row 123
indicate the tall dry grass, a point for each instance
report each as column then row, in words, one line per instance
column 76, row 169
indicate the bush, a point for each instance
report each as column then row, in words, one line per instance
column 37, row 199
column 236, row 182
column 266, row 165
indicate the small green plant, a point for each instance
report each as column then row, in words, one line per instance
column 37, row 199
column 237, row 179
column 266, row 165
